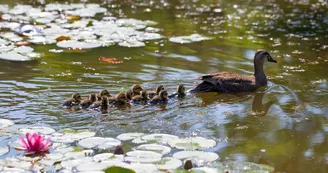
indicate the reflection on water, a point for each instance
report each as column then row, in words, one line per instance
column 283, row 125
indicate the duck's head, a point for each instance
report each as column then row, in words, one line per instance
column 104, row 100
column 104, row 93
column 261, row 55
column 144, row 94
column 181, row 89
column 163, row 94
column 93, row 97
column 136, row 89
column 120, row 97
column 129, row 94
column 159, row 88
column 77, row 97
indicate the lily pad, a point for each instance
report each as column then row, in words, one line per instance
column 197, row 155
column 168, row 163
column 115, row 169
column 101, row 143
column 5, row 123
column 37, row 129
column 99, row 166
column 159, row 138
column 188, row 39
column 192, row 143
column 4, row 150
column 70, row 135
column 142, row 156
column 132, row 43
column 128, row 136
column 79, row 44
column 79, row 154
column 13, row 56
column 161, row 149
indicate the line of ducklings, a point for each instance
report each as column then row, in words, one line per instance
column 135, row 95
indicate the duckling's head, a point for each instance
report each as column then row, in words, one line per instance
column 136, row 88
column 144, row 94
column 104, row 93
column 77, row 97
column 163, row 94
column 181, row 89
column 104, row 100
column 159, row 88
column 120, row 97
column 93, row 97
column 260, row 56
column 129, row 94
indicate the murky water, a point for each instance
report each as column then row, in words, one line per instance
column 283, row 125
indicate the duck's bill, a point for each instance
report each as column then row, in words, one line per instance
column 270, row 59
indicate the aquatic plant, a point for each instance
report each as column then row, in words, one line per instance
column 34, row 143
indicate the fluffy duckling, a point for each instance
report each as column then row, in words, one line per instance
column 103, row 93
column 119, row 99
column 85, row 103
column 142, row 98
column 136, row 89
column 159, row 88
column 102, row 104
column 180, row 93
column 162, row 98
column 129, row 94
column 74, row 100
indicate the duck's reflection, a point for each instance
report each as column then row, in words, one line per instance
column 259, row 108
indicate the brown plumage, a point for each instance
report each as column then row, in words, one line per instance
column 136, row 89
column 102, row 104
column 85, row 103
column 180, row 93
column 74, row 100
column 103, row 93
column 230, row 82
column 129, row 94
column 119, row 99
column 162, row 98
column 159, row 88
column 142, row 98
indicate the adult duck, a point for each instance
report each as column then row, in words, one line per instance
column 226, row 82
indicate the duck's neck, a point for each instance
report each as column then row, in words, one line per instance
column 260, row 77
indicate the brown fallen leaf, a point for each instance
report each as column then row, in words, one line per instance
column 110, row 60
column 23, row 43
column 73, row 17
column 61, row 38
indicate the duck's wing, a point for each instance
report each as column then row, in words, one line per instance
column 225, row 82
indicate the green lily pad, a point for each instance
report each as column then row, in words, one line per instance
column 196, row 155
column 159, row 138
column 161, row 149
column 129, row 136
column 101, row 143
column 5, row 123
column 37, row 129
column 115, row 169
column 142, row 156
column 168, row 163
column 192, row 143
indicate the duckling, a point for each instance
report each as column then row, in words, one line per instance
column 159, row 88
column 160, row 99
column 119, row 99
column 128, row 94
column 103, row 93
column 226, row 82
column 85, row 103
column 74, row 100
column 181, row 92
column 102, row 104
column 136, row 88
column 142, row 98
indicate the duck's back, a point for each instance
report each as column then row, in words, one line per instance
column 225, row 82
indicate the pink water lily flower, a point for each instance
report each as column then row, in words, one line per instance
column 35, row 143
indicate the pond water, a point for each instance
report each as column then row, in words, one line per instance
column 283, row 125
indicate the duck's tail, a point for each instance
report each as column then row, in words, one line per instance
column 203, row 87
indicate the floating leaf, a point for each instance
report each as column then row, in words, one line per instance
column 110, row 60
column 37, row 129
column 23, row 43
column 128, row 136
column 168, row 163
column 5, row 123
column 62, row 38
column 197, row 155
column 188, row 39
column 79, row 44
column 192, row 143
column 69, row 17
column 142, row 156
column 4, row 150
column 98, row 166
column 13, row 56
column 101, row 143
column 159, row 138
column 115, row 169
column 161, row 149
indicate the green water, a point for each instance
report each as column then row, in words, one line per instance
column 289, row 134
